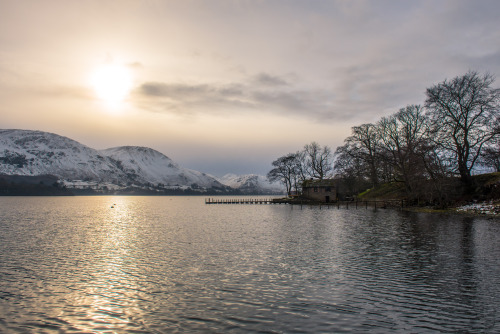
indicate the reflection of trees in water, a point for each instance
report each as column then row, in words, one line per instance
column 444, row 253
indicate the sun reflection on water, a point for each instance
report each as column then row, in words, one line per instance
column 111, row 297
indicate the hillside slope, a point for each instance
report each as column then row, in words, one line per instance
column 30, row 153
column 150, row 166
column 25, row 152
column 449, row 192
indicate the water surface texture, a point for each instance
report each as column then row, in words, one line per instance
column 174, row 264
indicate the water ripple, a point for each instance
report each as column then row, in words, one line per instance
column 173, row 265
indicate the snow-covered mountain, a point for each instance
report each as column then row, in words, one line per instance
column 151, row 166
column 251, row 184
column 25, row 152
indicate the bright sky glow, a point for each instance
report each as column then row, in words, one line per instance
column 112, row 83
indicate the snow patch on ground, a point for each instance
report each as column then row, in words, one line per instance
column 485, row 208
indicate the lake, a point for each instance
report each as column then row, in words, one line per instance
column 122, row 264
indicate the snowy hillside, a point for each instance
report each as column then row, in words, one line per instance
column 251, row 184
column 151, row 166
column 25, row 152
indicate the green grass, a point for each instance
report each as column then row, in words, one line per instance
column 392, row 190
column 486, row 187
column 487, row 179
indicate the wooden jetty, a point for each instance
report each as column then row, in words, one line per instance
column 377, row 204
column 244, row 201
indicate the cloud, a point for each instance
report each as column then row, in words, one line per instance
column 176, row 91
column 269, row 80
column 184, row 98
column 315, row 104
column 356, row 92
column 259, row 93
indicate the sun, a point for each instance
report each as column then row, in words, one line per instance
column 112, row 83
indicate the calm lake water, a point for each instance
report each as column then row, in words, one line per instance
column 174, row 264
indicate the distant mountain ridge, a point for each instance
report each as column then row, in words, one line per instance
column 34, row 153
column 251, row 184
column 26, row 152
column 150, row 166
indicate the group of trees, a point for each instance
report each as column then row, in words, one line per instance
column 457, row 130
column 312, row 162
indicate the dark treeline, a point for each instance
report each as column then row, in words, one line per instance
column 41, row 185
column 422, row 147
column 50, row 185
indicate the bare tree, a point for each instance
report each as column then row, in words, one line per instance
column 351, row 171
column 490, row 157
column 364, row 145
column 462, row 111
column 404, row 136
column 318, row 161
column 285, row 171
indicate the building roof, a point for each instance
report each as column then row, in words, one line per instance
column 319, row 183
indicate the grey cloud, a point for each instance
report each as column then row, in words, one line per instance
column 313, row 103
column 363, row 91
column 183, row 92
column 191, row 99
column 484, row 63
column 270, row 80
column 242, row 97
column 176, row 91
column 232, row 90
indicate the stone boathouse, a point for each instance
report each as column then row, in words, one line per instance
column 324, row 191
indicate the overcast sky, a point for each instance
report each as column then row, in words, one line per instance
column 228, row 86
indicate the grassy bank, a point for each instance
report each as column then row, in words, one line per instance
column 448, row 195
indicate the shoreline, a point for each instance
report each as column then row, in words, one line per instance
column 454, row 211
